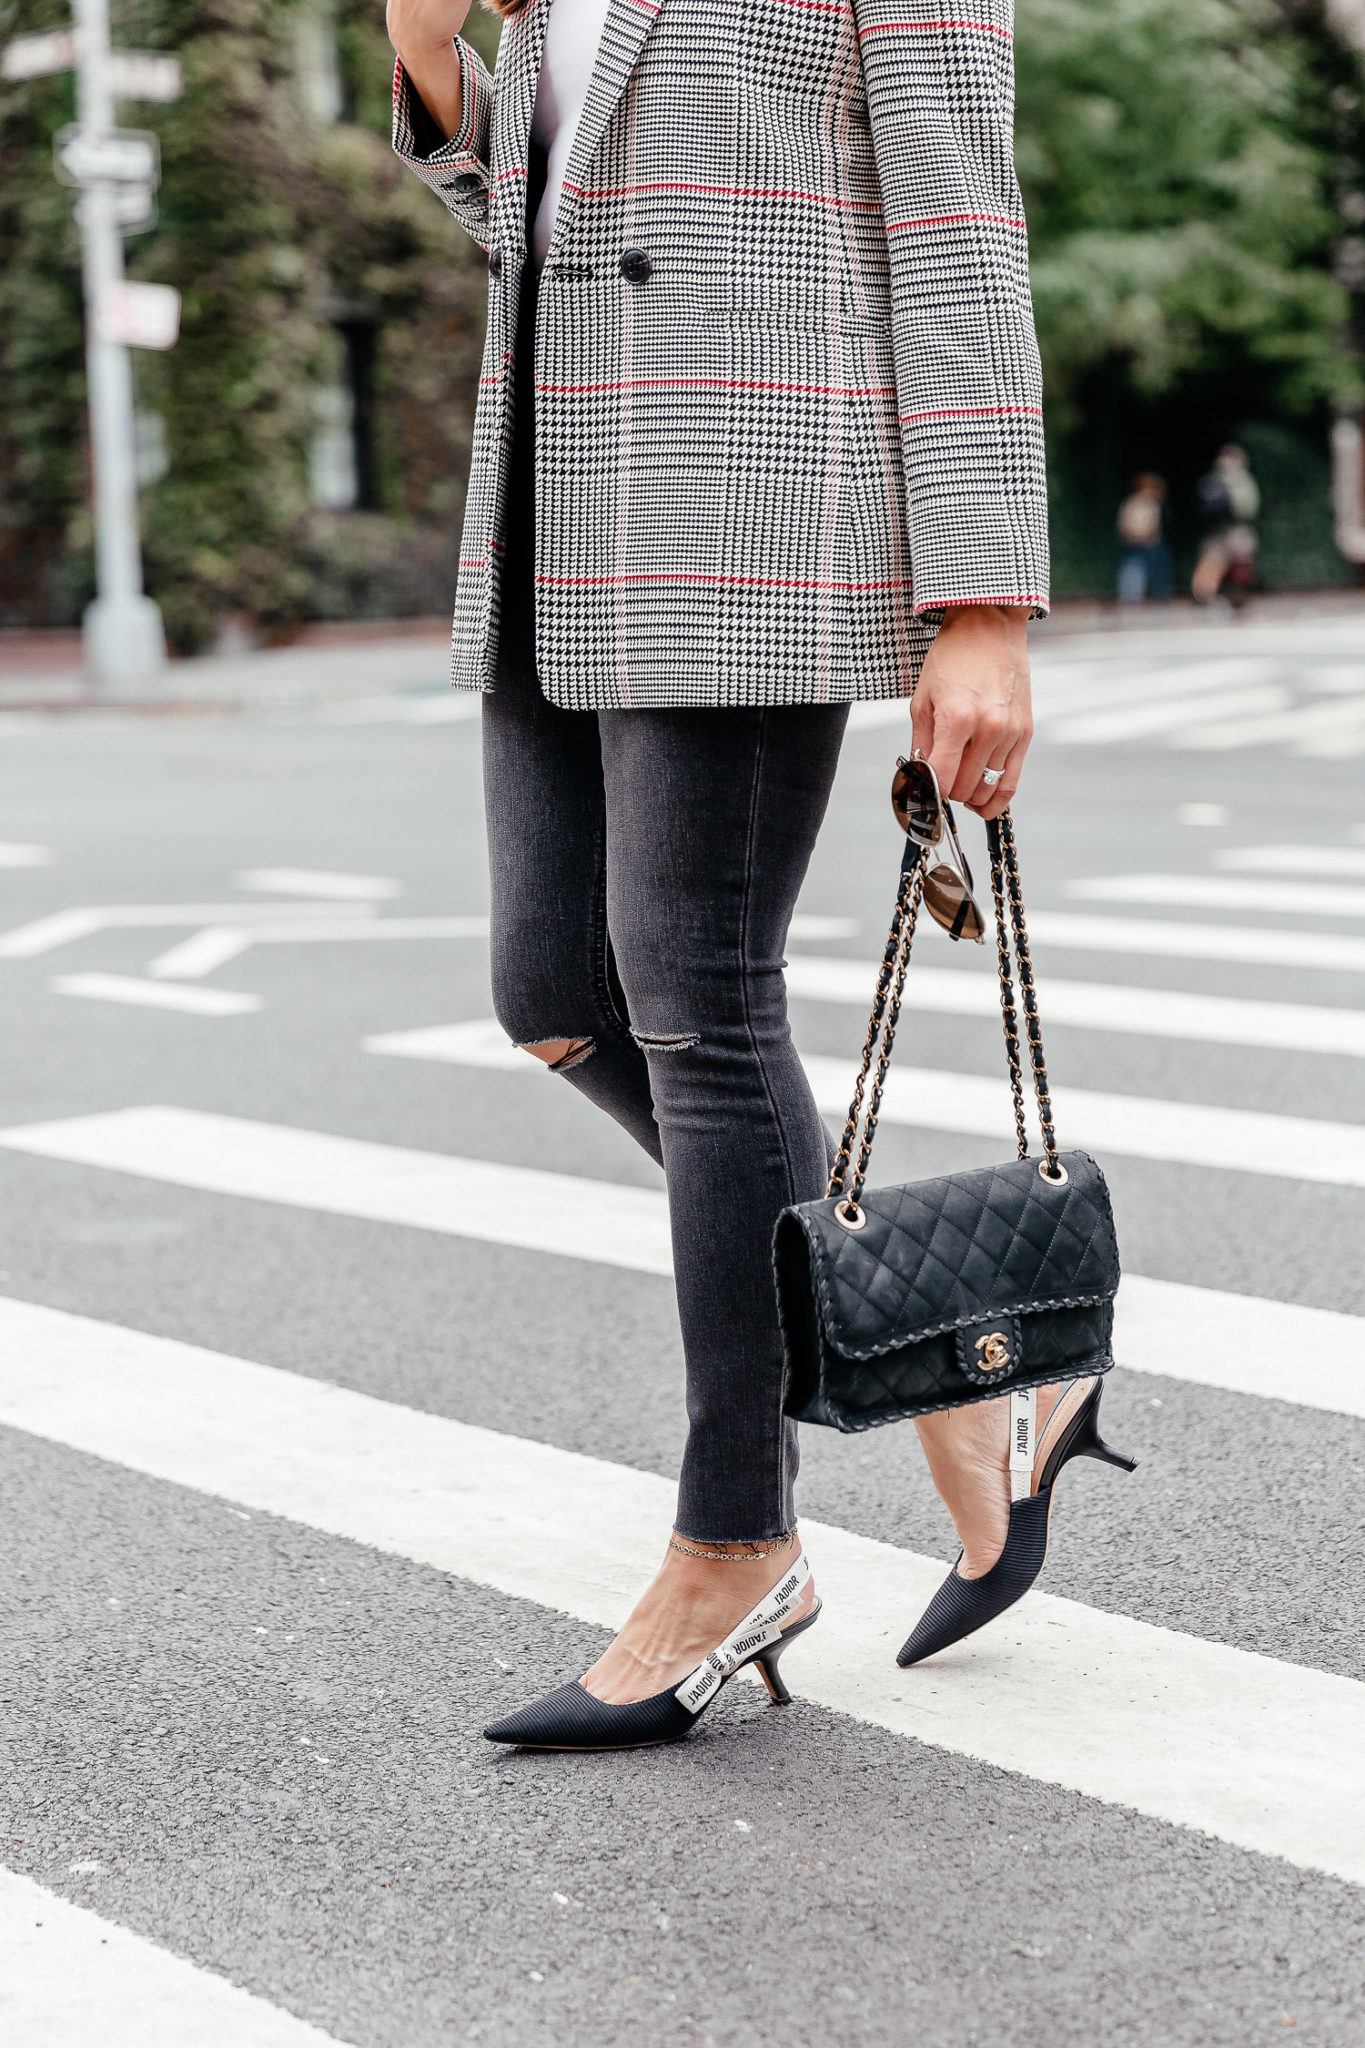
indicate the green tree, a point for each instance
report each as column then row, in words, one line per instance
column 1178, row 172
column 278, row 225
column 42, row 367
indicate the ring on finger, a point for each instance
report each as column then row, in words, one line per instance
column 992, row 777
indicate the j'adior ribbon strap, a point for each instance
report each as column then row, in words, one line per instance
column 761, row 1625
column 1023, row 1440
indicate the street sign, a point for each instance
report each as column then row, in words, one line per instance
column 134, row 208
column 139, row 315
column 144, row 75
column 118, row 156
column 38, row 56
column 133, row 74
column 115, row 171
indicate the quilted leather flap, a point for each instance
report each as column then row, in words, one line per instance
column 940, row 1253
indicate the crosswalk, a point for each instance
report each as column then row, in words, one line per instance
column 978, row 1105
column 1305, row 1356
column 71, row 1976
column 1256, row 1753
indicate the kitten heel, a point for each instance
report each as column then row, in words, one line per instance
column 573, row 1718
column 1088, row 1443
column 961, row 1606
column 768, row 1660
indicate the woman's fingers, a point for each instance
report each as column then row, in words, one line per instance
column 992, row 739
column 991, row 802
column 940, row 733
column 971, row 708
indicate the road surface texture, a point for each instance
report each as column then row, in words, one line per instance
column 340, row 1392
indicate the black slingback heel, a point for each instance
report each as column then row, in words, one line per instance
column 961, row 1606
column 573, row 1718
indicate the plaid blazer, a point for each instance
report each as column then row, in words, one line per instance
column 787, row 387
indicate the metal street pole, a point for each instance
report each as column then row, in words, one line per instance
column 124, row 642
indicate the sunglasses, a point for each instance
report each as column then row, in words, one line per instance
column 925, row 816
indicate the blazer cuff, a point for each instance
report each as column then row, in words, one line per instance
column 930, row 612
column 417, row 139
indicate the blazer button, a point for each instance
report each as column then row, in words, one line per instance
column 636, row 267
column 495, row 263
column 466, row 186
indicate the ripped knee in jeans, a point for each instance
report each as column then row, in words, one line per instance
column 559, row 1054
column 666, row 1041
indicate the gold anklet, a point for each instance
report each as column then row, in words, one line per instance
column 749, row 1556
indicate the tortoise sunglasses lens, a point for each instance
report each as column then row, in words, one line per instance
column 916, row 800
column 925, row 817
column 951, row 904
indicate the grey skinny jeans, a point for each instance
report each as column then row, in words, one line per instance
column 644, row 866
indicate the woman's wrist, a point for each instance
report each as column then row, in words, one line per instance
column 436, row 77
column 1005, row 624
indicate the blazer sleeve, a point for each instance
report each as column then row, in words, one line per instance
column 969, row 387
column 457, row 170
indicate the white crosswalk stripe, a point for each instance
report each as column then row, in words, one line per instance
column 1254, row 1752
column 156, row 995
column 1324, row 732
column 1326, row 952
column 1292, row 860
column 70, row 1976
column 1167, row 716
column 1309, row 1357
column 1189, row 691
column 64, row 927
column 216, row 944
column 930, row 1099
column 1093, row 1005
column 1223, row 892
column 1178, row 1133
column 323, row 882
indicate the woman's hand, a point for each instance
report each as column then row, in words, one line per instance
column 971, row 708
column 423, row 33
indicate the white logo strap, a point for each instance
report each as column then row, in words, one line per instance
column 761, row 1625
column 1023, row 1441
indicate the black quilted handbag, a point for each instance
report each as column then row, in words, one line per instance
column 898, row 1301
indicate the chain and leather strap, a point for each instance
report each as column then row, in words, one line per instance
column 886, row 1007
column 848, row 1179
column 1000, row 836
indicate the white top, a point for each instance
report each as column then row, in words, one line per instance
column 572, row 36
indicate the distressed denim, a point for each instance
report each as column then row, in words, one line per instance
column 644, row 869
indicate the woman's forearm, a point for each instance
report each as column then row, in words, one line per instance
column 423, row 34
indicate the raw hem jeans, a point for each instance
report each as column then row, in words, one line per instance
column 644, row 869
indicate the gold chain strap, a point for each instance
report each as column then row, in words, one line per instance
column 1032, row 1023
column 848, row 1180
column 891, row 975
column 1007, row 1009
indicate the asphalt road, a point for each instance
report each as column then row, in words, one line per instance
column 256, row 1743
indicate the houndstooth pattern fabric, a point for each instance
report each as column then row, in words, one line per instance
column 788, row 403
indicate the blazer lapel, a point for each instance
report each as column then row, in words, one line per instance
column 623, row 37
column 518, row 74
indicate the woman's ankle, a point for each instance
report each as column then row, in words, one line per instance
column 691, row 1606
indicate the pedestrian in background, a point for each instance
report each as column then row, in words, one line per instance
column 1145, row 556
column 1229, row 502
column 759, row 340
